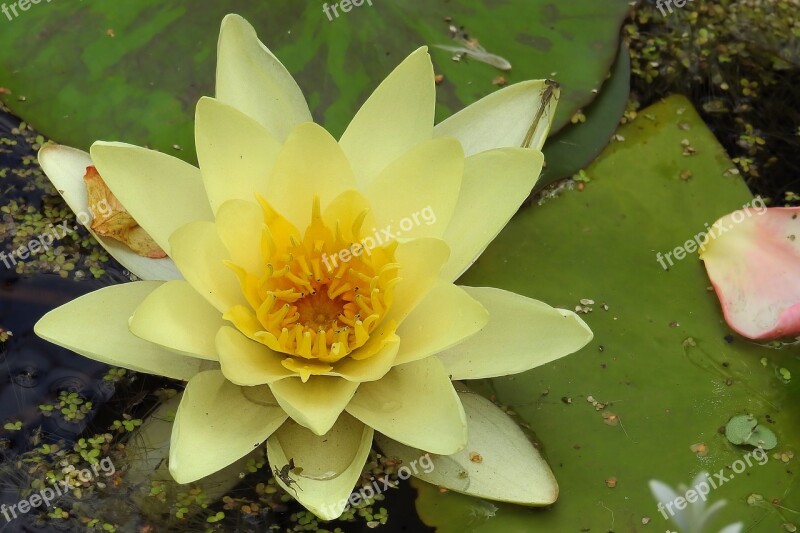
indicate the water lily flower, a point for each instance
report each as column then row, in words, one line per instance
column 752, row 261
column 691, row 516
column 308, row 297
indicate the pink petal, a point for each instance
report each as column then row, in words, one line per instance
column 753, row 260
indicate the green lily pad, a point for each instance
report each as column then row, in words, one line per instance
column 133, row 71
column 577, row 145
column 662, row 373
column 745, row 429
column 762, row 437
column 740, row 428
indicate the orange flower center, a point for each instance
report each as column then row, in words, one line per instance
column 321, row 296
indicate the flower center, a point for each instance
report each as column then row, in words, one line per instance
column 320, row 296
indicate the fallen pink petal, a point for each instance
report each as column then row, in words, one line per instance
column 753, row 263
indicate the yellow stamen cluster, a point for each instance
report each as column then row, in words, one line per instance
column 308, row 304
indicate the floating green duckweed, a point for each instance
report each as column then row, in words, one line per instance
column 30, row 207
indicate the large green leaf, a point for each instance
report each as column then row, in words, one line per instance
column 662, row 358
column 133, row 71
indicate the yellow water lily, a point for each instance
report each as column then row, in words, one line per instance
column 308, row 297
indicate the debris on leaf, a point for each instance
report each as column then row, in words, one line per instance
column 610, row 418
column 598, row 406
column 755, row 499
column 700, row 449
column 783, row 456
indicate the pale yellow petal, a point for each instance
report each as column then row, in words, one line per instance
column 331, row 464
column 395, row 118
column 162, row 193
column 244, row 319
column 511, row 469
column 504, row 118
column 65, row 167
column 446, row 317
column 218, row 423
column 345, row 209
column 374, row 367
column 311, row 164
column 200, row 255
column 176, row 317
column 315, row 404
column 435, row 167
column 522, row 333
column 251, row 79
column 415, row 404
column 246, row 362
column 495, row 185
column 240, row 227
column 96, row 326
column 235, row 152
column 420, row 262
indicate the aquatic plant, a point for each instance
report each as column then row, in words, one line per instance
column 311, row 298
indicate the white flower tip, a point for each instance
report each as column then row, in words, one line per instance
column 46, row 149
column 234, row 19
